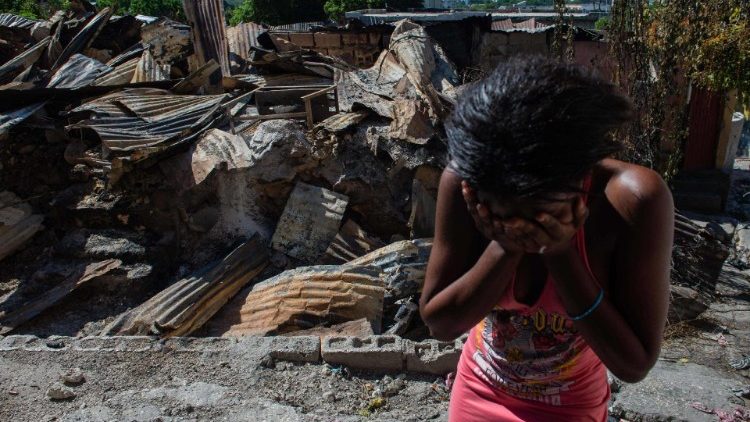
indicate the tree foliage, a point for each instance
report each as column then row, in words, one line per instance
column 663, row 47
column 277, row 12
column 32, row 9
column 169, row 8
column 335, row 9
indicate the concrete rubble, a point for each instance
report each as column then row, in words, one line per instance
column 175, row 190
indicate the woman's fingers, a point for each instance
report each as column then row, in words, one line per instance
column 581, row 212
column 552, row 226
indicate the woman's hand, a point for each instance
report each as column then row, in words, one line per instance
column 491, row 228
column 548, row 234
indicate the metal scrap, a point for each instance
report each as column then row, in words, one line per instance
column 81, row 276
column 78, row 72
column 185, row 306
column 310, row 222
column 310, row 296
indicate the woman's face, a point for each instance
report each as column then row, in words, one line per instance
column 559, row 206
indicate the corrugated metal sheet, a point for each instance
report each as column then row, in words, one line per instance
column 507, row 25
column 299, row 27
column 139, row 118
column 18, row 64
column 78, row 72
column 306, row 297
column 8, row 20
column 530, row 26
column 186, row 305
column 209, row 31
column 170, row 41
column 121, row 75
column 8, row 120
column 242, row 37
column 147, row 70
column 85, row 36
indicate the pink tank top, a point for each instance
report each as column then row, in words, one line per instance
column 534, row 353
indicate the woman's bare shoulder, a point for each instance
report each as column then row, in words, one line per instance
column 637, row 192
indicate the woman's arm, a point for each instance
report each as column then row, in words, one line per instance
column 466, row 275
column 626, row 330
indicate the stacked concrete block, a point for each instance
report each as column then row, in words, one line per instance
column 303, row 39
column 374, row 352
column 11, row 343
column 295, row 349
column 374, row 38
column 351, row 39
column 432, row 356
column 327, row 40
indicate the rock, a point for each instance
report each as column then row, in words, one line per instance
column 393, row 387
column 73, row 376
column 59, row 391
column 268, row 362
column 104, row 244
column 329, row 396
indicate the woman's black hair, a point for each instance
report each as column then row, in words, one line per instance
column 534, row 126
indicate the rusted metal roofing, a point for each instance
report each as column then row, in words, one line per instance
column 242, row 37
column 78, row 72
column 147, row 70
column 530, row 25
column 299, row 27
column 140, row 118
column 209, row 33
column 169, row 40
column 8, row 20
column 10, row 119
column 23, row 61
column 186, row 305
column 305, row 297
column 85, row 36
column 120, row 75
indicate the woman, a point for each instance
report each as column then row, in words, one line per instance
column 554, row 255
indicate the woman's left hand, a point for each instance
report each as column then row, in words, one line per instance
column 547, row 235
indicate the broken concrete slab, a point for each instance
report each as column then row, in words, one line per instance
column 376, row 352
column 309, row 296
column 309, row 223
column 359, row 328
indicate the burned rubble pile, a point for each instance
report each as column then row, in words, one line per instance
column 156, row 181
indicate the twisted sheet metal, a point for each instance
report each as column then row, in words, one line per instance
column 120, row 75
column 242, row 37
column 209, row 32
column 139, row 118
column 8, row 20
column 78, row 72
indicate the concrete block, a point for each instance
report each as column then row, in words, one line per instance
column 50, row 344
column 374, row 352
column 374, row 38
column 327, row 40
column 303, row 39
column 353, row 39
column 295, row 349
column 10, row 343
column 198, row 345
column 432, row 356
column 135, row 344
column 95, row 344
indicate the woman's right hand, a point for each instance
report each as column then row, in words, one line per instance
column 491, row 228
